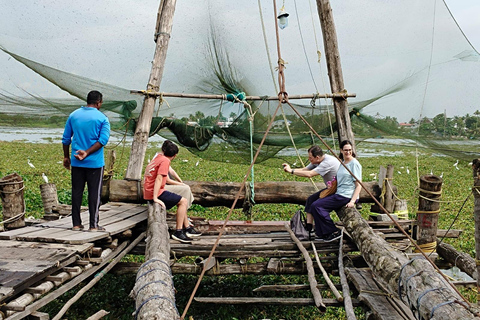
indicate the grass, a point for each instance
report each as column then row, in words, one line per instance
column 111, row 293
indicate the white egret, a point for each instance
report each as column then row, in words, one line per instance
column 30, row 164
column 45, row 178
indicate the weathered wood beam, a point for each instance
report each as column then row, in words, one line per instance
column 163, row 29
column 460, row 259
column 209, row 193
column 335, row 73
column 414, row 281
column 271, row 301
column 154, row 292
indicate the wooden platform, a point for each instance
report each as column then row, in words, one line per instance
column 30, row 254
column 114, row 217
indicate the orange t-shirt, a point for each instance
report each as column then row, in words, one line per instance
column 158, row 166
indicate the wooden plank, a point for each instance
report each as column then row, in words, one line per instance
column 12, row 234
column 42, row 234
column 382, row 304
column 272, row 301
column 13, row 244
column 33, row 277
column 128, row 223
column 61, row 290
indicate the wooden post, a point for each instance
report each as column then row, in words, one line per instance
column 154, row 292
column 335, row 70
column 49, row 195
column 428, row 210
column 476, row 213
column 108, row 174
column 163, row 29
column 389, row 203
column 13, row 202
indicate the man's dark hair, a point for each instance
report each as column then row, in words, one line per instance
column 316, row 151
column 94, row 97
column 169, row 148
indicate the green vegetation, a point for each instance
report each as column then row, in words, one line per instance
column 112, row 292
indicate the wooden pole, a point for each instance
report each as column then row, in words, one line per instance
column 337, row 294
column 335, row 70
column 389, row 203
column 476, row 212
column 428, row 210
column 317, row 297
column 163, row 29
column 154, row 292
column 347, row 299
column 258, row 98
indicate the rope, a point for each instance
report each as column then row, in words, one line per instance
column 430, row 191
column 427, row 247
column 14, row 218
column 12, row 192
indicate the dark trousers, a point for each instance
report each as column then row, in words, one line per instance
column 321, row 209
column 93, row 177
column 310, row 200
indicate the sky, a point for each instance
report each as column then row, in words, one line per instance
column 467, row 15
column 111, row 41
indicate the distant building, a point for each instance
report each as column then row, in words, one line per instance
column 280, row 124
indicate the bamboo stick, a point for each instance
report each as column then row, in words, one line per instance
column 347, row 300
column 223, row 96
column 325, row 275
column 311, row 273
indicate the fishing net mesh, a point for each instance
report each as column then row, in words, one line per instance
column 407, row 61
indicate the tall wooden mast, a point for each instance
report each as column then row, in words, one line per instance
column 335, row 70
column 163, row 29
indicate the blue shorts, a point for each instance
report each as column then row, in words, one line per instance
column 170, row 199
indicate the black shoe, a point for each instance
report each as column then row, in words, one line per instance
column 191, row 232
column 333, row 236
column 181, row 236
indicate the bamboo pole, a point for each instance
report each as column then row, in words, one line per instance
column 476, row 212
column 163, row 29
column 335, row 73
column 347, row 300
column 317, row 297
column 224, row 97
column 329, row 282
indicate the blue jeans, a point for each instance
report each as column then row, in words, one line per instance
column 321, row 209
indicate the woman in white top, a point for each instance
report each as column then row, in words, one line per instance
column 348, row 190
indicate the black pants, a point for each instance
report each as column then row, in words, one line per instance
column 93, row 177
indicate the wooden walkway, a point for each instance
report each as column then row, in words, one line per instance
column 33, row 253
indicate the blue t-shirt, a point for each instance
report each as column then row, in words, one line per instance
column 84, row 127
column 345, row 181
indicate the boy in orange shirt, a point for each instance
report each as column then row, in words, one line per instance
column 155, row 179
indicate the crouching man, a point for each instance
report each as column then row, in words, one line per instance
column 155, row 179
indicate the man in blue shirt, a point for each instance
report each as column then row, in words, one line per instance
column 87, row 130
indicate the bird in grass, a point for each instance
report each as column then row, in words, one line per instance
column 456, row 165
column 408, row 171
column 30, row 164
column 196, row 164
column 441, row 176
column 45, row 178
